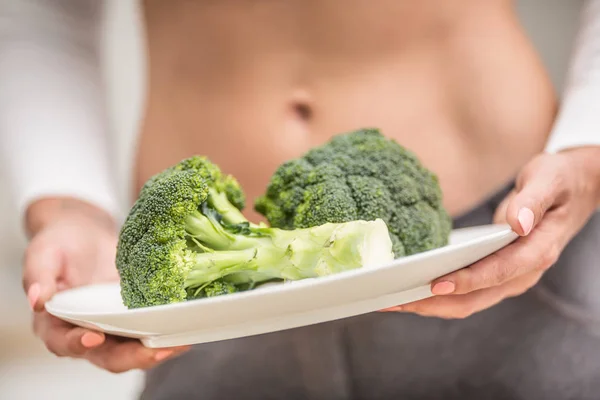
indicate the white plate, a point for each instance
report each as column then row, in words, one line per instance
column 278, row 307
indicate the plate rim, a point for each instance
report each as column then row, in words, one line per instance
column 503, row 231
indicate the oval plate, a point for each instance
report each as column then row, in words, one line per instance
column 278, row 307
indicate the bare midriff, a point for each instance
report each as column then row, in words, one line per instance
column 251, row 84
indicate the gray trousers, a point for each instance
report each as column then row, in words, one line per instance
column 544, row 344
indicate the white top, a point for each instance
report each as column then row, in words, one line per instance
column 53, row 131
column 578, row 121
column 53, row 138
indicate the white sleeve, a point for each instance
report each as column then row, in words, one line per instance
column 578, row 119
column 53, row 137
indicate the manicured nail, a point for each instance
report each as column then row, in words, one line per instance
column 162, row 354
column 445, row 287
column 91, row 339
column 33, row 294
column 526, row 218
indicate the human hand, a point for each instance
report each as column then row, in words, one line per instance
column 72, row 244
column 554, row 197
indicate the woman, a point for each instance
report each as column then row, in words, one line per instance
column 255, row 83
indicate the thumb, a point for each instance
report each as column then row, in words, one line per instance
column 40, row 275
column 530, row 203
column 500, row 213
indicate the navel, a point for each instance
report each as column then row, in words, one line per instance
column 301, row 105
column 297, row 125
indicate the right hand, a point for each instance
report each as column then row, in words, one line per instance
column 72, row 244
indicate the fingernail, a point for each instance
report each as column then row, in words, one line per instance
column 91, row 339
column 526, row 218
column 33, row 294
column 445, row 287
column 162, row 354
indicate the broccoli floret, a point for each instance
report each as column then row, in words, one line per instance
column 186, row 238
column 360, row 175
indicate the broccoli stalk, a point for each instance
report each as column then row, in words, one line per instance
column 220, row 203
column 228, row 249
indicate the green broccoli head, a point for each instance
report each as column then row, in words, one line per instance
column 360, row 175
column 153, row 255
column 185, row 238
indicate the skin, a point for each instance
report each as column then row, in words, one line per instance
column 233, row 82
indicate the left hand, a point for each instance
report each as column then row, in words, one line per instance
column 554, row 196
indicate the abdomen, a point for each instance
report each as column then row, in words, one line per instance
column 252, row 86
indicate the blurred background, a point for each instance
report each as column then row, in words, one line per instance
column 27, row 370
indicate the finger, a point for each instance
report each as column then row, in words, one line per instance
column 64, row 339
column 539, row 193
column 465, row 305
column 42, row 268
column 120, row 356
column 500, row 213
column 108, row 352
column 538, row 251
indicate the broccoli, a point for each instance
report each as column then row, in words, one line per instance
column 186, row 238
column 360, row 175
